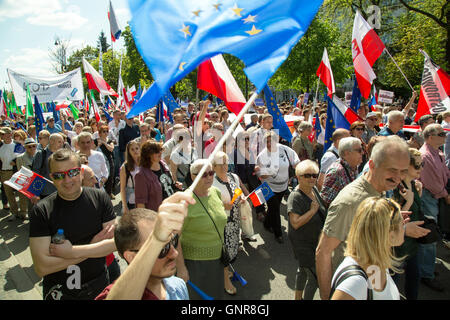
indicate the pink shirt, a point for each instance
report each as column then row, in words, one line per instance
column 435, row 173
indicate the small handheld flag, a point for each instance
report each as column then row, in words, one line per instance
column 27, row 182
column 261, row 194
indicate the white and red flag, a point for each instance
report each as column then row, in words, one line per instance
column 113, row 24
column 27, row 182
column 96, row 81
column 325, row 73
column 366, row 48
column 215, row 77
column 434, row 91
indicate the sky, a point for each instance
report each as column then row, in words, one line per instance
column 28, row 29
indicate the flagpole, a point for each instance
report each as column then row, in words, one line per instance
column 385, row 49
column 224, row 138
column 317, row 91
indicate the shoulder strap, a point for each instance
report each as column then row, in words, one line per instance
column 207, row 212
column 346, row 171
column 44, row 156
column 347, row 272
column 289, row 161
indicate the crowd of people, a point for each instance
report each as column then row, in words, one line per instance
column 362, row 213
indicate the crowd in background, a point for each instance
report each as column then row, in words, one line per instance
column 345, row 205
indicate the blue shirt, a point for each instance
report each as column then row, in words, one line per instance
column 176, row 288
column 55, row 129
column 388, row 132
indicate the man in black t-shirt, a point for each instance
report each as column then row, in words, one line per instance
column 76, row 268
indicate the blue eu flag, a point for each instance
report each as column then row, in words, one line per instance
column 317, row 126
column 39, row 117
column 355, row 103
column 171, row 104
column 278, row 120
column 175, row 36
column 37, row 186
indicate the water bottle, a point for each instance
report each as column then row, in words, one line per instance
column 59, row 237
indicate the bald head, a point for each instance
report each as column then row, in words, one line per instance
column 338, row 134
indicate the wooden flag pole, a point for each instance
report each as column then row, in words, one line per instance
column 224, row 138
column 317, row 91
column 385, row 49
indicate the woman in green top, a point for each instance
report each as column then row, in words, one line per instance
column 408, row 194
column 202, row 237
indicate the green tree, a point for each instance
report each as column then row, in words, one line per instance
column 103, row 41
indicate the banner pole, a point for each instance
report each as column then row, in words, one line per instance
column 222, row 141
column 399, row 68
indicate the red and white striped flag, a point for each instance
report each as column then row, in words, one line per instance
column 113, row 24
column 96, row 81
column 325, row 73
column 435, row 89
column 366, row 48
column 215, row 77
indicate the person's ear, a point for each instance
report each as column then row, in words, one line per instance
column 129, row 256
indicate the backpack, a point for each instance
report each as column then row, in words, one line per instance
column 347, row 272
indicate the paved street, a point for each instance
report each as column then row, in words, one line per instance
column 267, row 266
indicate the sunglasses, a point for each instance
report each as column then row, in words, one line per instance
column 310, row 175
column 165, row 251
column 30, row 147
column 208, row 174
column 417, row 166
column 359, row 129
column 61, row 175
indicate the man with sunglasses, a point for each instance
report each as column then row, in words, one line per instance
column 150, row 252
column 75, row 269
column 434, row 177
column 369, row 132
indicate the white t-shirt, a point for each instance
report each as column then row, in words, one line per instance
column 328, row 158
column 7, row 155
column 356, row 286
column 276, row 165
column 97, row 163
column 114, row 130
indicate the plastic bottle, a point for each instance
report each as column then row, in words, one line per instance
column 59, row 237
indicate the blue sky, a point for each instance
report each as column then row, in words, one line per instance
column 28, row 29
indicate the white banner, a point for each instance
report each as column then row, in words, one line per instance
column 47, row 89
column 385, row 96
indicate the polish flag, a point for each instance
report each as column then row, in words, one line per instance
column 3, row 110
column 366, row 48
column 325, row 73
column 96, row 82
column 435, row 89
column 261, row 194
column 215, row 77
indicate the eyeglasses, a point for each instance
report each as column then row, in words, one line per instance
column 310, row 175
column 61, row 175
column 360, row 150
column 441, row 134
column 359, row 129
column 165, row 251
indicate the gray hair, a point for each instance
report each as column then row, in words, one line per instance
column 84, row 134
column 388, row 146
column 304, row 165
column 431, row 130
column 220, row 158
column 197, row 166
column 347, row 144
column 394, row 115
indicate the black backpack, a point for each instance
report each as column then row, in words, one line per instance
column 347, row 272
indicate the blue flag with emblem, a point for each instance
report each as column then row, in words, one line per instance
column 355, row 103
column 39, row 116
column 175, row 36
column 278, row 120
column 317, row 126
column 170, row 103
column 107, row 115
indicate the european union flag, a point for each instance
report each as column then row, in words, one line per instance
column 171, row 104
column 335, row 119
column 278, row 120
column 175, row 36
column 108, row 117
column 37, row 185
column 372, row 102
column 52, row 109
column 317, row 126
column 39, row 117
column 355, row 103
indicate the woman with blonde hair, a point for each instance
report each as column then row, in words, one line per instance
column 364, row 273
column 128, row 171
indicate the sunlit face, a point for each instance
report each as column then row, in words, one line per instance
column 84, row 143
column 89, row 179
column 69, row 187
column 354, row 157
column 391, row 171
column 135, row 150
column 415, row 167
column 267, row 123
column 397, row 124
